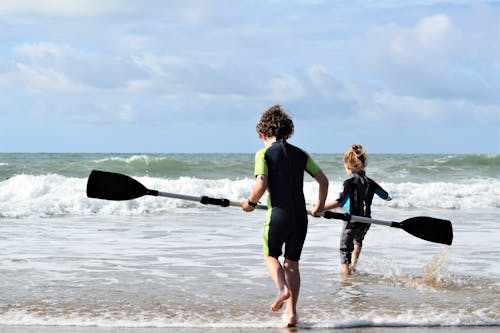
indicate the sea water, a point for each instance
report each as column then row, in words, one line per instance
column 66, row 259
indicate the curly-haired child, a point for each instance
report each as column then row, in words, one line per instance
column 279, row 169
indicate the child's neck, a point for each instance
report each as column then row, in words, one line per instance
column 268, row 140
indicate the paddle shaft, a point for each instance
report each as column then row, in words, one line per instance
column 355, row 218
column 203, row 199
column 225, row 203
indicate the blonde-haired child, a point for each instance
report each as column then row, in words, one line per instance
column 357, row 196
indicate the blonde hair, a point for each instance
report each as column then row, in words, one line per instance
column 356, row 158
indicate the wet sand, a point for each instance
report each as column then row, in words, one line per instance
column 74, row 329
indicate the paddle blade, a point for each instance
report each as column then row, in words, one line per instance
column 113, row 186
column 429, row 228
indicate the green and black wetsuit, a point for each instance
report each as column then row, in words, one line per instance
column 286, row 218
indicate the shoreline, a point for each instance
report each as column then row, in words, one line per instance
column 367, row 329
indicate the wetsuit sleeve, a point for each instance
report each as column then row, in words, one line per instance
column 260, row 163
column 380, row 191
column 344, row 195
column 311, row 167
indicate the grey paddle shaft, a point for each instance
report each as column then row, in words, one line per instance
column 362, row 219
column 205, row 200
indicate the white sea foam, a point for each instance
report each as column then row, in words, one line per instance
column 51, row 195
column 423, row 317
column 130, row 159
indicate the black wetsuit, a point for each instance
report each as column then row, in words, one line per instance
column 357, row 198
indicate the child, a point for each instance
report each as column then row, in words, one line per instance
column 357, row 197
column 279, row 169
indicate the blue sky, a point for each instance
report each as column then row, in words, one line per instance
column 194, row 76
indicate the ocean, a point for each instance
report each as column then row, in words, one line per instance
column 69, row 261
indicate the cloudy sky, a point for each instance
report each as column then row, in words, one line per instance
column 194, row 76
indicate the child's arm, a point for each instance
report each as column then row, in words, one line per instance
column 332, row 205
column 341, row 200
column 322, row 193
column 258, row 191
column 383, row 194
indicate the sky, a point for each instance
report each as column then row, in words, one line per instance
column 194, row 76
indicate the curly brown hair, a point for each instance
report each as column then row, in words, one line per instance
column 275, row 122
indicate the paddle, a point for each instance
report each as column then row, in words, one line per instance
column 427, row 228
column 115, row 186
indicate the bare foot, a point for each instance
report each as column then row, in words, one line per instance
column 346, row 270
column 290, row 319
column 280, row 299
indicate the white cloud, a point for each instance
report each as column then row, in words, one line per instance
column 61, row 67
column 196, row 15
column 388, row 106
column 46, row 80
column 57, row 8
column 330, row 85
column 157, row 65
column 135, row 42
column 433, row 39
column 46, row 51
column 286, row 88
column 434, row 58
column 322, row 78
column 126, row 113
column 434, row 31
column 140, row 86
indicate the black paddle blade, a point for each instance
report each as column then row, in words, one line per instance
column 113, row 186
column 429, row 228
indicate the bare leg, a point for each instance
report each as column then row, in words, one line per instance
column 354, row 258
column 277, row 273
column 346, row 270
column 292, row 274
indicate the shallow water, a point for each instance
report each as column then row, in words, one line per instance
column 205, row 270
column 66, row 259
